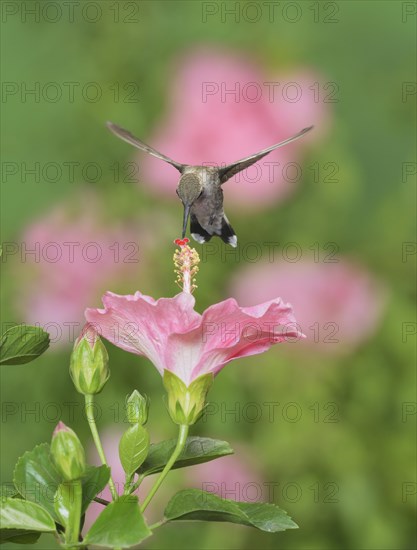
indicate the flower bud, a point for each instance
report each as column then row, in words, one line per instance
column 89, row 363
column 137, row 407
column 186, row 403
column 67, row 453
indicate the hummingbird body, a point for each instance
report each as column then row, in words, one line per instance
column 207, row 217
column 200, row 189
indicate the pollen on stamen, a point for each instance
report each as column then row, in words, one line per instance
column 186, row 262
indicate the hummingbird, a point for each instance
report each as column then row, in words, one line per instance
column 200, row 188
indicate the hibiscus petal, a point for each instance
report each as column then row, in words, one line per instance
column 175, row 337
column 139, row 324
column 240, row 332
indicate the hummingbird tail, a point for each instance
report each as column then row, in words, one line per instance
column 228, row 234
column 198, row 233
column 202, row 236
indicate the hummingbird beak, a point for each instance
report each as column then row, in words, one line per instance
column 186, row 216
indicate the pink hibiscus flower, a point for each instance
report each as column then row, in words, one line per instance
column 223, row 108
column 178, row 339
column 175, row 337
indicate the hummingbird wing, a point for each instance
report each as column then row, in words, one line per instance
column 228, row 171
column 130, row 138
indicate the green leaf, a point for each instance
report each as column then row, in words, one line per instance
column 7, row 489
column 62, row 502
column 21, row 514
column 18, row 536
column 93, row 482
column 193, row 504
column 133, row 448
column 120, row 525
column 37, row 479
column 196, row 451
column 21, row 344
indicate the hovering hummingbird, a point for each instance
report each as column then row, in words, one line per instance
column 200, row 188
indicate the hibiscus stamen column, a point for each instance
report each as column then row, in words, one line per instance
column 186, row 262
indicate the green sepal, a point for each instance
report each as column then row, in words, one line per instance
column 89, row 368
column 137, row 408
column 186, row 403
column 67, row 453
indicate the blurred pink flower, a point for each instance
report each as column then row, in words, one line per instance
column 68, row 263
column 222, row 108
column 110, row 441
column 338, row 305
column 230, row 477
column 175, row 337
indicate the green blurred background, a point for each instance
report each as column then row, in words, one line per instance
column 351, row 483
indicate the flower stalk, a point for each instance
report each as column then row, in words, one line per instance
column 72, row 530
column 89, row 411
column 182, row 438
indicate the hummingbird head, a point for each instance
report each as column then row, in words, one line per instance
column 189, row 189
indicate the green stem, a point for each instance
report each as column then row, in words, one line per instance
column 137, row 483
column 128, row 484
column 89, row 410
column 72, row 530
column 101, row 501
column 182, row 438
